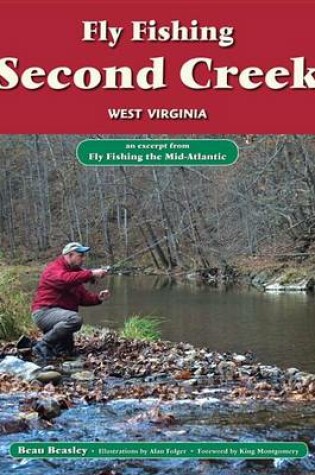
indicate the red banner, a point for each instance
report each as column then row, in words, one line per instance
column 157, row 67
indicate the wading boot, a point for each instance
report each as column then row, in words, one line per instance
column 65, row 347
column 43, row 351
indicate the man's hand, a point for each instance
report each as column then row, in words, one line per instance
column 99, row 273
column 104, row 295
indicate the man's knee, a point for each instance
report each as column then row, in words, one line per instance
column 75, row 321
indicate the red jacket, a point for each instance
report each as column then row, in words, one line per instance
column 62, row 286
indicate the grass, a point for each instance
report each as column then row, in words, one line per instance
column 88, row 330
column 292, row 276
column 15, row 314
column 141, row 328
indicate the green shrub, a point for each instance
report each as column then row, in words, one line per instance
column 291, row 276
column 141, row 328
column 15, row 315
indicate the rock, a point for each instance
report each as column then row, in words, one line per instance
column 24, row 369
column 270, row 372
column 49, row 367
column 157, row 378
column 47, row 408
column 29, row 416
column 70, row 366
column 307, row 379
column 11, row 424
column 83, row 376
column 291, row 372
column 247, row 370
column 292, row 376
column 210, row 379
column 260, row 279
column 239, row 358
column 48, row 377
column 199, row 372
column 227, row 356
column 226, row 369
column 180, row 362
column 209, row 357
column 187, row 347
column 190, row 355
column 263, row 386
column 189, row 382
column 298, row 380
column 279, row 285
column 192, row 276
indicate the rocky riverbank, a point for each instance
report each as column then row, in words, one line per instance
column 267, row 274
column 109, row 368
column 122, row 390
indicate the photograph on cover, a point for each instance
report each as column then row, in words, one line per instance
column 151, row 304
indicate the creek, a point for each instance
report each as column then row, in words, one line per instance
column 129, row 420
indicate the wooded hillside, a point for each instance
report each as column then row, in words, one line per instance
column 165, row 217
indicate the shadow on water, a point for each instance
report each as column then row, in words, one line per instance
column 160, row 283
column 278, row 327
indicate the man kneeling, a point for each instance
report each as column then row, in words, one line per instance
column 59, row 294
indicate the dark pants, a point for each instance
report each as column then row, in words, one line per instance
column 58, row 326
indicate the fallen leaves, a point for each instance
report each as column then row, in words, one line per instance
column 13, row 384
column 182, row 375
column 117, row 368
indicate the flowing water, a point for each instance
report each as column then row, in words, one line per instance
column 126, row 421
column 278, row 327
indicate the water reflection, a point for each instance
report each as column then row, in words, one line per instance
column 277, row 327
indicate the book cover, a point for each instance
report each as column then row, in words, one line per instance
column 172, row 142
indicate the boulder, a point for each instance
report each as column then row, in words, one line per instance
column 28, row 370
column 279, row 285
column 72, row 366
column 47, row 408
column 270, row 372
column 24, row 369
column 12, row 424
column 83, row 376
column 48, row 377
column 239, row 358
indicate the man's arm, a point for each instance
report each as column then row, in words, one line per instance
column 64, row 279
column 88, row 298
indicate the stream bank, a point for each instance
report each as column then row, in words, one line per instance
column 282, row 273
column 122, row 390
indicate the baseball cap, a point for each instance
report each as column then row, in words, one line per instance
column 74, row 247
